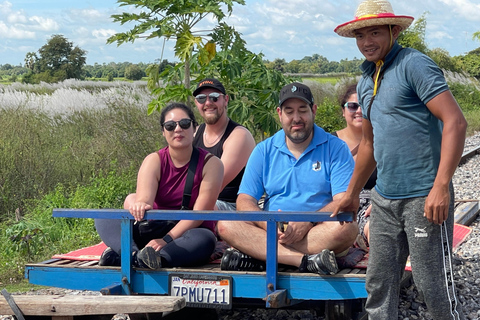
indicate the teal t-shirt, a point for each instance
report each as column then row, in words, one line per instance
column 407, row 136
column 305, row 184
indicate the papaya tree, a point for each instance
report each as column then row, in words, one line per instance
column 253, row 89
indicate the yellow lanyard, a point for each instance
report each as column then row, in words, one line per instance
column 379, row 64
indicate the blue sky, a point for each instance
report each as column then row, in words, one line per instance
column 277, row 28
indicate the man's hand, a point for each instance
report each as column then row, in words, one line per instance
column 436, row 205
column 347, row 203
column 295, row 232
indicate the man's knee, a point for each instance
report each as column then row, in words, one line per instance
column 346, row 233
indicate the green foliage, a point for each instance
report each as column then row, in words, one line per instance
column 57, row 60
column 133, row 72
column 470, row 63
column 174, row 20
column 414, row 36
column 37, row 236
column 252, row 87
column 38, row 150
column 467, row 96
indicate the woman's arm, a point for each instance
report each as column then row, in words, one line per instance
column 147, row 184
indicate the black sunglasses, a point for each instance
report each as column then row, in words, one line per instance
column 352, row 106
column 202, row 98
column 171, row 125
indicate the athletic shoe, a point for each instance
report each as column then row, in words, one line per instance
column 321, row 263
column 237, row 261
column 149, row 257
column 109, row 258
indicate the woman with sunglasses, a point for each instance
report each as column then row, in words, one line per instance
column 352, row 134
column 160, row 185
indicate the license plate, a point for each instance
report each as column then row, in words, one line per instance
column 202, row 291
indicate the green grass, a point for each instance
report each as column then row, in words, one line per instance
column 21, row 286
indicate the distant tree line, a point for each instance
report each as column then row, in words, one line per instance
column 59, row 59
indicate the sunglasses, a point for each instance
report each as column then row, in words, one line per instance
column 171, row 125
column 202, row 98
column 352, row 106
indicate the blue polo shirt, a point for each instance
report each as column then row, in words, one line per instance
column 304, row 184
column 407, row 136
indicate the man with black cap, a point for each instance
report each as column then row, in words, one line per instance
column 223, row 137
column 419, row 133
column 301, row 166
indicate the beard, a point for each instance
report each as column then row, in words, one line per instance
column 299, row 136
column 213, row 118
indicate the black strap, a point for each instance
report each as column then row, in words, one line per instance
column 187, row 191
column 380, row 77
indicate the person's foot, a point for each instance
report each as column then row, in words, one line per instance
column 149, row 257
column 109, row 258
column 237, row 261
column 321, row 263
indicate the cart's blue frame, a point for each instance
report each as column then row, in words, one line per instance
column 278, row 289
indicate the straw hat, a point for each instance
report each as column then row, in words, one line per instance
column 373, row 13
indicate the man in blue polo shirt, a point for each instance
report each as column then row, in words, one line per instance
column 300, row 168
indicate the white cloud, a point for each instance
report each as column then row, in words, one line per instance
column 465, row 8
column 440, row 35
column 12, row 32
column 5, row 7
column 44, row 24
column 17, row 17
column 103, row 34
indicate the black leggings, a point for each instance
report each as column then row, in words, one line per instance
column 193, row 248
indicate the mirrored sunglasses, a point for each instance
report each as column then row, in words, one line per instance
column 352, row 106
column 202, row 98
column 171, row 125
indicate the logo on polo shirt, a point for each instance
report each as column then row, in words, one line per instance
column 316, row 166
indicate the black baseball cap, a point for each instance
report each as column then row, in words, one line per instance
column 209, row 83
column 296, row 90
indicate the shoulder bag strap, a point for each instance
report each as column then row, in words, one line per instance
column 187, row 191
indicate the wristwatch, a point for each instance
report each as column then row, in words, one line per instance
column 167, row 238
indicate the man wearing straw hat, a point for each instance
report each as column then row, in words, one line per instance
column 413, row 132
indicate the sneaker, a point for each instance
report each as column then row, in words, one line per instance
column 109, row 258
column 237, row 261
column 137, row 263
column 321, row 263
column 149, row 257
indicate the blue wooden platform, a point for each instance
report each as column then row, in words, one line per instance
column 278, row 289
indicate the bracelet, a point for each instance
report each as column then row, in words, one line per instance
column 167, row 238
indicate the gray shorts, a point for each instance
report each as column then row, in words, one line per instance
column 224, row 205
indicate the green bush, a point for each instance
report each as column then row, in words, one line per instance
column 38, row 236
column 39, row 150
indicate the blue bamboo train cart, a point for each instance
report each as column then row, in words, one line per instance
column 340, row 296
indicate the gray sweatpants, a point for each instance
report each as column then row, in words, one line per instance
column 397, row 229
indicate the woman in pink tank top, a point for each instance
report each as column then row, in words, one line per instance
column 160, row 185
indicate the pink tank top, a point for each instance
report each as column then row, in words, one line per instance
column 172, row 183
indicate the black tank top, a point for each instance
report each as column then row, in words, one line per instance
column 372, row 180
column 229, row 193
